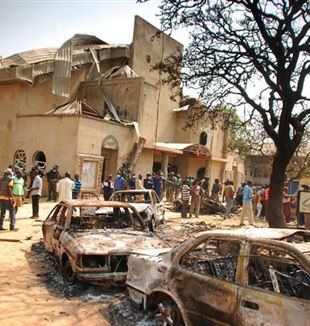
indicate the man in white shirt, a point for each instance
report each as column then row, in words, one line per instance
column 64, row 188
column 35, row 191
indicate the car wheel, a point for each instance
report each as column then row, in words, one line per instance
column 69, row 276
column 152, row 224
column 170, row 313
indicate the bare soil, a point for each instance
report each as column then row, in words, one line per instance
column 32, row 290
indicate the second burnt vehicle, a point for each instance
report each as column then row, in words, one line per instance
column 227, row 277
column 146, row 202
column 92, row 239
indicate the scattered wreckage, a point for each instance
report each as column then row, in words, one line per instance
column 92, row 239
column 208, row 206
column 146, row 202
column 229, row 277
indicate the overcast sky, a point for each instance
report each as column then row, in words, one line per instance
column 32, row 24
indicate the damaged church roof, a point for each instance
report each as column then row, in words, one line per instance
column 78, row 50
column 75, row 107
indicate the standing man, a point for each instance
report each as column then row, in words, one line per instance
column 185, row 196
column 64, row 187
column 228, row 196
column 6, row 199
column 196, row 193
column 158, row 184
column 108, row 188
column 18, row 189
column 132, row 181
column 119, row 183
column 247, row 207
column 205, row 186
column 77, row 187
column 148, row 181
column 216, row 189
column 53, row 177
column 35, row 192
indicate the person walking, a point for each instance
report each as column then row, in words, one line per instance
column 228, row 197
column 64, row 187
column 77, row 187
column 108, row 188
column 196, row 193
column 247, row 207
column 35, row 192
column 185, row 196
column 18, row 189
column 7, row 199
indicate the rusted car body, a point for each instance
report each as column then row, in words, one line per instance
column 92, row 239
column 146, row 202
column 230, row 277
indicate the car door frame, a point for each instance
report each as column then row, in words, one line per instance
column 48, row 228
column 179, row 274
column 267, row 307
column 158, row 205
column 60, row 227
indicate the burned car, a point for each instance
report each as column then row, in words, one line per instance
column 146, row 202
column 92, row 239
column 230, row 277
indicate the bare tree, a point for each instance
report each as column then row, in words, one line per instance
column 249, row 54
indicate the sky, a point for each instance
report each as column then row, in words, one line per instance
column 33, row 24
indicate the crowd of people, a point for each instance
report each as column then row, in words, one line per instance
column 16, row 185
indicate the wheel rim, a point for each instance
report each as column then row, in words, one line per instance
column 170, row 314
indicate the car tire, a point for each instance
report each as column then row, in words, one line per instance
column 152, row 224
column 68, row 275
column 170, row 313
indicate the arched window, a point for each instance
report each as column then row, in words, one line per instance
column 39, row 160
column 20, row 159
column 203, row 139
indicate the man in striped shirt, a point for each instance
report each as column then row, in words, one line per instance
column 185, row 193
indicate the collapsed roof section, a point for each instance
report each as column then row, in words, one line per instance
column 75, row 107
column 78, row 50
column 119, row 72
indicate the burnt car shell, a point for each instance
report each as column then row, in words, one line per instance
column 204, row 291
column 146, row 202
column 92, row 243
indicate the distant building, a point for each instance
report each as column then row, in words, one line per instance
column 90, row 106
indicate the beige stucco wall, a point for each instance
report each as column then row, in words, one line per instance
column 55, row 136
column 216, row 141
column 92, row 132
column 145, row 162
column 20, row 99
column 157, row 105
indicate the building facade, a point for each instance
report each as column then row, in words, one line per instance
column 90, row 106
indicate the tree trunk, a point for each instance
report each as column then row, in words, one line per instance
column 275, row 215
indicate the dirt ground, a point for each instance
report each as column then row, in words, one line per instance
column 32, row 291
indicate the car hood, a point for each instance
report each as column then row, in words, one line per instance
column 105, row 242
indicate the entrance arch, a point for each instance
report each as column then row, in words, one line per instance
column 109, row 152
column 201, row 173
